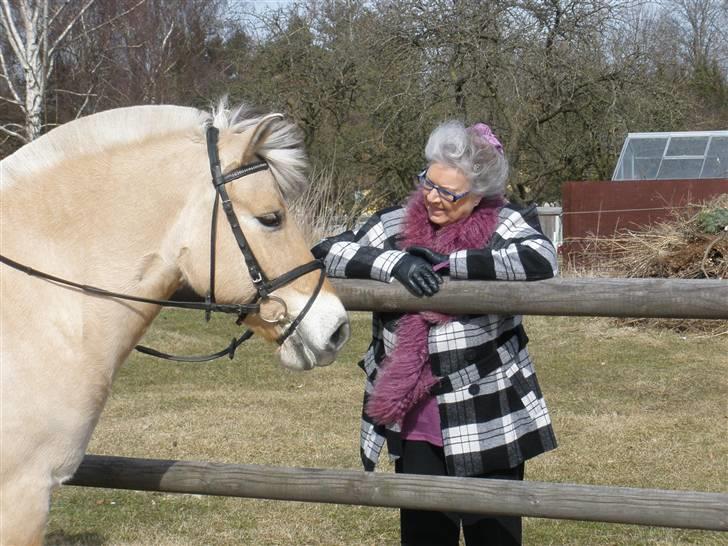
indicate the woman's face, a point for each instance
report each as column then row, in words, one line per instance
column 440, row 210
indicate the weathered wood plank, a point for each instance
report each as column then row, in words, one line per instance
column 606, row 297
column 683, row 509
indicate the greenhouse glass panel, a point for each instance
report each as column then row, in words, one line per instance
column 687, row 146
column 648, row 147
column 675, row 168
column 716, row 163
column 645, row 168
column 641, row 158
column 681, row 155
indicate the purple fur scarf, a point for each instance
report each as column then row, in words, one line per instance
column 405, row 376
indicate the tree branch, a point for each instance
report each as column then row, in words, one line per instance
column 14, row 38
column 4, row 129
column 58, row 12
column 108, row 21
column 52, row 48
column 11, row 101
column 6, row 77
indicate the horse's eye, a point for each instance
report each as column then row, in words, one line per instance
column 271, row 220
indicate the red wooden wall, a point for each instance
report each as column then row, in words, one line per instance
column 599, row 208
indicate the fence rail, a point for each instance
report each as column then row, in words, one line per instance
column 594, row 297
column 683, row 509
column 588, row 297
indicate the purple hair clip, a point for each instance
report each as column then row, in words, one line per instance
column 484, row 132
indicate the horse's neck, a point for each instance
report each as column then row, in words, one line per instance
column 104, row 214
column 110, row 222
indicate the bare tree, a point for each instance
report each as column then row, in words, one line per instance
column 539, row 71
column 35, row 31
column 701, row 29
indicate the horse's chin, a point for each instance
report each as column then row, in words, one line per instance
column 294, row 354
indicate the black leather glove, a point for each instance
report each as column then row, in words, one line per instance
column 417, row 276
column 435, row 258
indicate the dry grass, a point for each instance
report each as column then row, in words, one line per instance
column 631, row 407
column 692, row 244
column 320, row 211
column 689, row 246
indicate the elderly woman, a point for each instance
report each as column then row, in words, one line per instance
column 451, row 395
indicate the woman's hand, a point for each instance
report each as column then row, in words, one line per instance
column 434, row 258
column 417, row 276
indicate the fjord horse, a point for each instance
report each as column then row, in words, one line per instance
column 123, row 200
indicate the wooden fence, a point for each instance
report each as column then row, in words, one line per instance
column 684, row 509
column 704, row 299
column 593, row 297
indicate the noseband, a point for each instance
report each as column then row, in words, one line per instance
column 263, row 286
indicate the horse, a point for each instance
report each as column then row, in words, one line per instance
column 122, row 201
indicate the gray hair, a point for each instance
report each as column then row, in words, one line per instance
column 453, row 145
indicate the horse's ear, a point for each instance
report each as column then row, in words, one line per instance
column 260, row 133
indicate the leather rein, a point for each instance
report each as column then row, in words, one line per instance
column 263, row 286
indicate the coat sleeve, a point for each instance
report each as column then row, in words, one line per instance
column 518, row 251
column 368, row 253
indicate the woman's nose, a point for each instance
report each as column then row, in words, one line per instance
column 432, row 194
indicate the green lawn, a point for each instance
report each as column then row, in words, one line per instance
column 636, row 408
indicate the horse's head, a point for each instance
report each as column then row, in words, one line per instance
column 259, row 201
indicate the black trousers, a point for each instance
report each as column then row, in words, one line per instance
column 425, row 528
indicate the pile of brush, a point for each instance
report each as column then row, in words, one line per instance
column 691, row 245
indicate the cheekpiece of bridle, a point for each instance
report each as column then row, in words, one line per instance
column 270, row 308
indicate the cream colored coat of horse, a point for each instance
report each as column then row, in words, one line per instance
column 122, row 200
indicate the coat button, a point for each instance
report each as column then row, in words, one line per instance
column 474, row 389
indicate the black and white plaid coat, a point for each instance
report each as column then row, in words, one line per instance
column 492, row 412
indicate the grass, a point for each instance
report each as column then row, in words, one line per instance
column 631, row 407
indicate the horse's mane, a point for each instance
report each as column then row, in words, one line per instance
column 283, row 148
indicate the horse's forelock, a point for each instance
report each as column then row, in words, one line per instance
column 282, row 147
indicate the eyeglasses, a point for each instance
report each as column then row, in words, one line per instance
column 428, row 185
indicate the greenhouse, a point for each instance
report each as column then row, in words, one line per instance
column 673, row 156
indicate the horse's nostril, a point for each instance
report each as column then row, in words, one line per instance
column 339, row 337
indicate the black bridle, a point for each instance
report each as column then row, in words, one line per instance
column 263, row 286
